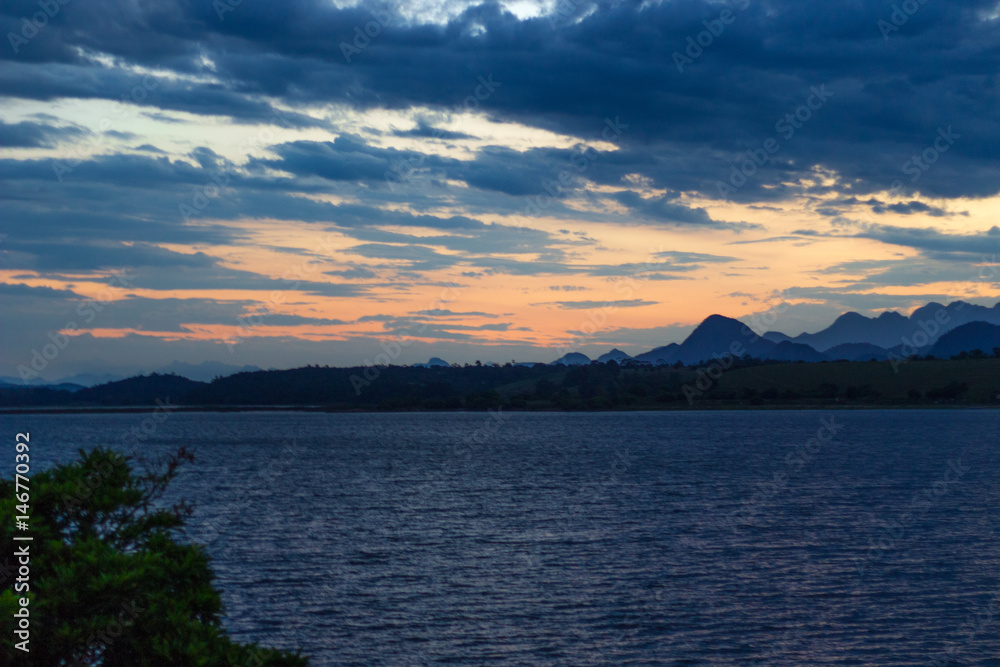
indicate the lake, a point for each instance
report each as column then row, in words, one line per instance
column 784, row 537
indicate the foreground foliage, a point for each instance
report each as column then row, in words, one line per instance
column 109, row 584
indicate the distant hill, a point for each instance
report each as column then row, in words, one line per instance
column 59, row 386
column 660, row 355
column 789, row 351
column 140, row 390
column 91, row 379
column 615, row 355
column 776, row 337
column 967, row 338
column 885, row 331
column 206, row 371
column 78, row 381
column 572, row 359
column 857, row 352
column 893, row 331
column 435, row 362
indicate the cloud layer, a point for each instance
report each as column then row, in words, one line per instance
column 358, row 160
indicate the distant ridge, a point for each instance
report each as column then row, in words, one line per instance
column 79, row 381
column 790, row 351
column 891, row 329
column 615, row 355
column 659, row 356
column 857, row 352
column 851, row 337
column 572, row 359
column 206, row 371
column 981, row 336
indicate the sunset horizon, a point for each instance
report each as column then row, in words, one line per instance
column 339, row 192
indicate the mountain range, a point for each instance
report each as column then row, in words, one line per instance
column 935, row 329
column 932, row 330
column 203, row 372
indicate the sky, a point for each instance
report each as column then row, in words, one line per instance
column 321, row 182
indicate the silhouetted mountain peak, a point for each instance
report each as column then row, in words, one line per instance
column 572, row 359
column 718, row 336
column 850, row 318
column 776, row 336
column 717, row 324
column 615, row 355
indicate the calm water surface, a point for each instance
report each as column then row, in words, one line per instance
column 582, row 539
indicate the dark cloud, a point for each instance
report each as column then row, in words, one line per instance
column 911, row 207
column 680, row 257
column 426, row 131
column 935, row 243
column 27, row 134
column 889, row 96
column 665, row 209
column 20, row 289
column 356, row 273
column 602, row 74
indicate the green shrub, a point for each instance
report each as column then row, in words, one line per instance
column 109, row 584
